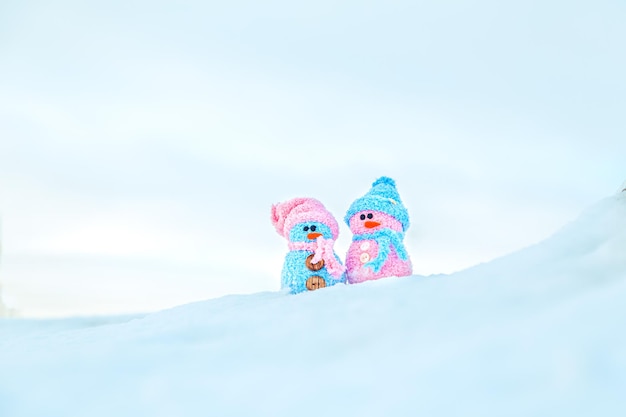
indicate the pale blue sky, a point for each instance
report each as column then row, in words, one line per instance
column 142, row 143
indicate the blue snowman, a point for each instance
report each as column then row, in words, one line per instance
column 311, row 231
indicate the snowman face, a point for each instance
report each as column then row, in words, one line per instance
column 369, row 221
column 309, row 231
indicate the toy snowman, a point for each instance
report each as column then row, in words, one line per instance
column 311, row 231
column 378, row 221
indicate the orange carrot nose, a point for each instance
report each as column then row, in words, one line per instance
column 370, row 224
column 313, row 236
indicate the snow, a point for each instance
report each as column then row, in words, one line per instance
column 539, row 332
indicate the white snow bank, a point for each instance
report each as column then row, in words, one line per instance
column 536, row 333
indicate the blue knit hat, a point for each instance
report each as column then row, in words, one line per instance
column 382, row 197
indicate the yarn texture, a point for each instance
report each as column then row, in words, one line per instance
column 311, row 231
column 378, row 221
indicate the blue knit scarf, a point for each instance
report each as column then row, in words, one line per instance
column 385, row 238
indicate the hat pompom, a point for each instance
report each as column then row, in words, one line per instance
column 277, row 220
column 384, row 180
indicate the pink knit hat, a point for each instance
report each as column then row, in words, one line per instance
column 298, row 210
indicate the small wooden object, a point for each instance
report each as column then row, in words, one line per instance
column 311, row 266
column 315, row 282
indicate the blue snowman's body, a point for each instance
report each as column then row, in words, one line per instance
column 299, row 273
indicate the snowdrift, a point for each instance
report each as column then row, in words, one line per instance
column 538, row 332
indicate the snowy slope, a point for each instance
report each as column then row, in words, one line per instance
column 537, row 333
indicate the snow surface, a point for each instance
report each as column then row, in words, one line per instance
column 537, row 333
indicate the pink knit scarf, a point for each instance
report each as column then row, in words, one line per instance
column 322, row 249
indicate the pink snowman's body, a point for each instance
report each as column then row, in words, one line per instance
column 362, row 251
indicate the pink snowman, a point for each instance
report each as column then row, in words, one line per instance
column 378, row 221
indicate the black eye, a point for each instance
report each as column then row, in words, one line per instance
column 306, row 228
column 313, row 228
column 362, row 216
column 370, row 215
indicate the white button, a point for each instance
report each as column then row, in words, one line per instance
column 365, row 246
column 364, row 258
